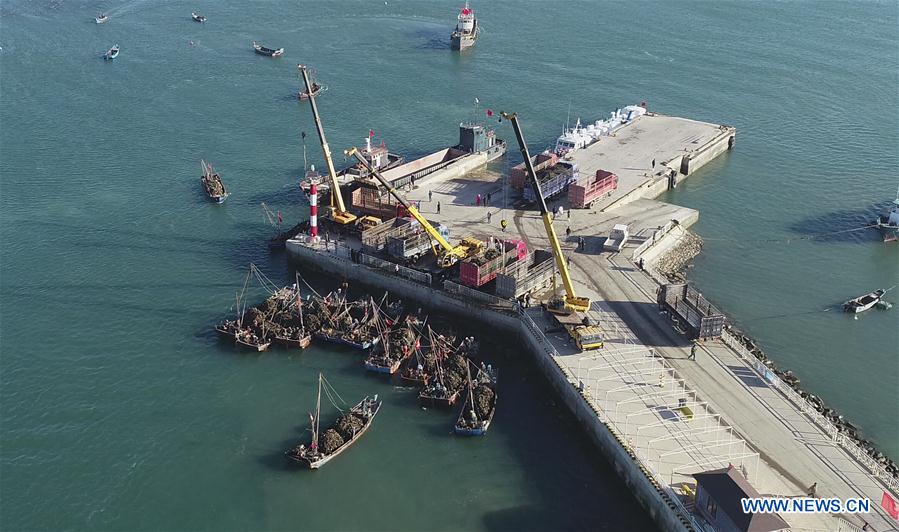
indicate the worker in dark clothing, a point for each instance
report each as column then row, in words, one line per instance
column 438, row 207
column 568, row 231
column 693, row 352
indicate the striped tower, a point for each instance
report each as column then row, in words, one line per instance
column 313, row 210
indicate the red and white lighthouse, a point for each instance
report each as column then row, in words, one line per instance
column 313, row 210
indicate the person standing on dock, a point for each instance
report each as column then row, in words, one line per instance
column 487, row 200
column 693, row 351
column 488, row 216
column 477, row 200
column 653, row 164
column 438, row 207
column 503, row 223
column 430, row 196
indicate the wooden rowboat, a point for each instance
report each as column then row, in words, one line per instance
column 863, row 303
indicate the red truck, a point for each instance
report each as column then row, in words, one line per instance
column 518, row 177
column 582, row 195
column 483, row 269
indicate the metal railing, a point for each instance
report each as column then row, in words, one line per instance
column 655, row 237
column 395, row 269
column 467, row 292
column 806, row 407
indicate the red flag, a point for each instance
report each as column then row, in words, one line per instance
column 489, row 112
column 279, row 216
column 889, row 504
column 371, row 133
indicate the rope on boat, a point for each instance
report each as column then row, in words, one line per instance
column 329, row 390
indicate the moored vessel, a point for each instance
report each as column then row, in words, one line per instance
column 888, row 222
column 467, row 30
column 479, row 407
column 326, row 445
column 580, row 136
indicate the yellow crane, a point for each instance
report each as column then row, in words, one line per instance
column 448, row 255
column 571, row 302
column 339, row 213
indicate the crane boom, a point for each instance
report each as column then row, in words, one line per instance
column 340, row 215
column 447, row 247
column 572, row 301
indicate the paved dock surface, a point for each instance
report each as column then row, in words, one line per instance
column 630, row 151
column 638, row 379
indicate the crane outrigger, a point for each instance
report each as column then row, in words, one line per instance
column 338, row 213
column 449, row 255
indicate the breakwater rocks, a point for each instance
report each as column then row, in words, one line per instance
column 674, row 262
column 842, row 425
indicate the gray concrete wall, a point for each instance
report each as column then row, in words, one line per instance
column 703, row 155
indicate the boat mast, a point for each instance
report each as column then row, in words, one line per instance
column 470, row 386
column 300, row 304
column 318, row 410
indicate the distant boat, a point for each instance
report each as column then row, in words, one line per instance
column 316, row 90
column 467, row 30
column 197, row 17
column 344, row 433
column 888, row 222
column 212, row 183
column 101, row 18
column 863, row 303
column 262, row 50
column 112, row 53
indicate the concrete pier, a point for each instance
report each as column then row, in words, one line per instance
column 656, row 415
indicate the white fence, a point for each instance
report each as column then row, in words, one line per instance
column 396, row 269
column 656, row 235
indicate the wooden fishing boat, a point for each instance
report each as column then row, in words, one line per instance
column 317, row 89
column 227, row 330
column 315, row 456
column 437, row 395
column 101, row 18
column 863, row 303
column 112, row 53
column 251, row 342
column 297, row 338
column 212, row 183
column 263, row 50
column 197, row 17
column 471, row 422
column 395, row 347
column 334, row 337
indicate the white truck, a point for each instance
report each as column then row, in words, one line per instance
column 617, row 238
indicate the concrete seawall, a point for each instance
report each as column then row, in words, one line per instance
column 658, row 503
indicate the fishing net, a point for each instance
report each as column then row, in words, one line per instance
column 330, row 441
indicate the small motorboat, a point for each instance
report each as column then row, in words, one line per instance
column 112, row 53
column 316, row 90
column 101, row 18
column 271, row 52
column 863, row 303
column 197, row 17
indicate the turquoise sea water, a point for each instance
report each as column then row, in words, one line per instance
column 121, row 411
